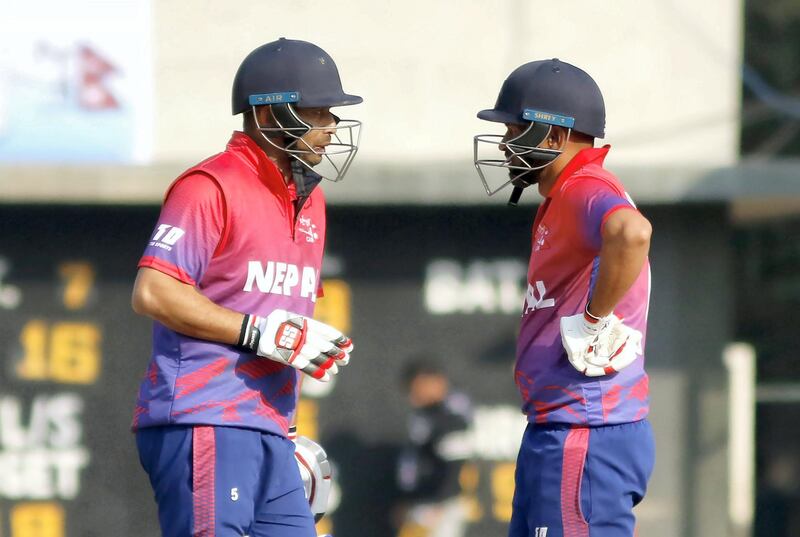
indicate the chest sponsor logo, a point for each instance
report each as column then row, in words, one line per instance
column 540, row 238
column 307, row 228
column 166, row 236
column 540, row 532
column 285, row 279
column 536, row 299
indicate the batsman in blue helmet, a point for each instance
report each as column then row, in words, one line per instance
column 230, row 278
column 588, row 450
column 283, row 88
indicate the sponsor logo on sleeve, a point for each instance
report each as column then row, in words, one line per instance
column 166, row 236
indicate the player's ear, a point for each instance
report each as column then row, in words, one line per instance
column 557, row 137
column 264, row 116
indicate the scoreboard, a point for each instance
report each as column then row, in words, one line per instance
column 65, row 451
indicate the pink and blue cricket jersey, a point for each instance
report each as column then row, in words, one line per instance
column 561, row 276
column 587, row 452
column 230, row 227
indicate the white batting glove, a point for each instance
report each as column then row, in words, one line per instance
column 315, row 469
column 316, row 349
column 598, row 346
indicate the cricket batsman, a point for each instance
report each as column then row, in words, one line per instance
column 588, row 449
column 230, row 277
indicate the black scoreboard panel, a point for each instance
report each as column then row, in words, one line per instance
column 400, row 280
column 72, row 352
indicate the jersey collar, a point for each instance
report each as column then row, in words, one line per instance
column 590, row 155
column 267, row 171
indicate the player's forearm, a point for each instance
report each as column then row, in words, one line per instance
column 626, row 242
column 182, row 308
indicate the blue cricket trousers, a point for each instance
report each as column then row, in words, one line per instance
column 224, row 482
column 574, row 481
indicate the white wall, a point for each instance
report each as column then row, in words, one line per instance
column 668, row 69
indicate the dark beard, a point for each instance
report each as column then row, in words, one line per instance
column 526, row 178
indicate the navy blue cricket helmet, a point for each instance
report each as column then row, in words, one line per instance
column 287, row 75
column 551, row 87
column 289, row 66
column 537, row 95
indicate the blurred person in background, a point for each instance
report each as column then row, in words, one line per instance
column 438, row 446
column 230, row 278
column 588, row 450
column 777, row 498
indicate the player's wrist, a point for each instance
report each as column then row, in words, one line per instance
column 594, row 324
column 593, row 318
column 250, row 332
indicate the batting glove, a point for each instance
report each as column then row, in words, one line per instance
column 598, row 346
column 315, row 469
column 316, row 349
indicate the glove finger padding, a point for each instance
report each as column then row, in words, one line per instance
column 328, row 332
column 310, row 368
column 602, row 348
column 315, row 469
column 344, row 343
column 319, row 364
column 314, row 348
column 327, row 355
column 340, row 345
column 627, row 351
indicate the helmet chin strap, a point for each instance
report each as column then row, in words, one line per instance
column 304, row 178
column 520, row 183
column 516, row 193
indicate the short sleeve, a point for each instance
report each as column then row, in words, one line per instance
column 189, row 229
column 591, row 201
